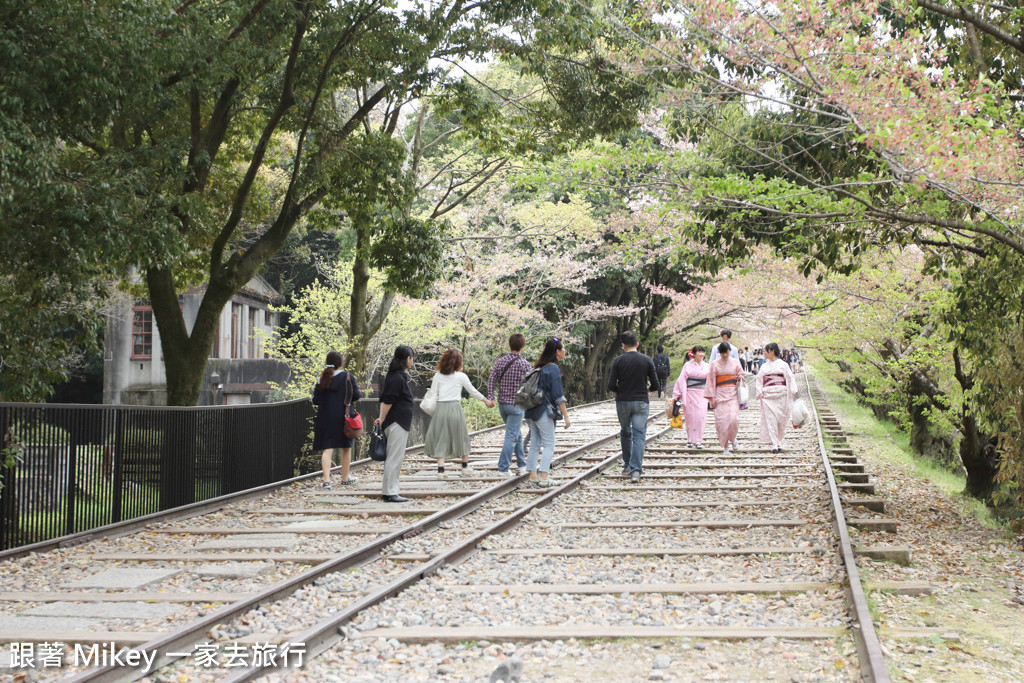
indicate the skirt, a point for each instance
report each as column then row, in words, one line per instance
column 447, row 435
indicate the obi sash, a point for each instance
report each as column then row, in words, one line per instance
column 695, row 382
column 726, row 379
column 774, row 380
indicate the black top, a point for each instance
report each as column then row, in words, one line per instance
column 632, row 372
column 662, row 364
column 329, row 423
column 398, row 395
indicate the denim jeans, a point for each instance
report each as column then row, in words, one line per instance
column 542, row 433
column 633, row 435
column 513, row 417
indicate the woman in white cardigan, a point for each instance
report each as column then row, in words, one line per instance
column 447, row 435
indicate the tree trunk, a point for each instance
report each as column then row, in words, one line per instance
column 185, row 354
column 357, row 326
column 977, row 452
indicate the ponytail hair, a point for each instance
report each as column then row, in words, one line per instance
column 550, row 353
column 400, row 359
column 334, row 361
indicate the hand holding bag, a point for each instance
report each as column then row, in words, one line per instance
column 378, row 444
column 353, row 420
column 429, row 403
column 744, row 392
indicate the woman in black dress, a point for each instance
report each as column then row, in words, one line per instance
column 334, row 394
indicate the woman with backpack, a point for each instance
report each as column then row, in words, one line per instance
column 541, row 418
column 334, row 395
column 447, row 435
column 722, row 392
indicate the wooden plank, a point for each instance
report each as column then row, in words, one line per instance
column 82, row 596
column 702, row 524
column 652, row 552
column 863, row 488
column 625, row 486
column 212, row 557
column 738, row 475
column 900, row 587
column 351, row 510
column 84, row 637
column 749, row 502
column 663, row 588
column 869, row 524
column 501, row 634
column 945, row 633
column 872, row 503
column 885, row 553
column 228, row 531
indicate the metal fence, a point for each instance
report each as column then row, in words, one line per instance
column 71, row 468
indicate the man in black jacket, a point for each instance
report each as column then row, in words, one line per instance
column 632, row 373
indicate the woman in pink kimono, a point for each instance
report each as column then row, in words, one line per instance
column 689, row 391
column 722, row 393
column 776, row 387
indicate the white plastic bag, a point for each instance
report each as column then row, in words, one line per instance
column 798, row 413
column 744, row 392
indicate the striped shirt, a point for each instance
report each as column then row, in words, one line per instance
column 517, row 367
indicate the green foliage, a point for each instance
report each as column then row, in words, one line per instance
column 479, row 416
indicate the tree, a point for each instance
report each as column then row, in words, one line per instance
column 195, row 137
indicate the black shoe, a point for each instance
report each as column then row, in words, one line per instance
column 395, row 499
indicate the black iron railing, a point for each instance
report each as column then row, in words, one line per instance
column 71, row 468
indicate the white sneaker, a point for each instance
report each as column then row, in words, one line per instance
column 442, row 475
column 507, row 474
column 348, row 482
column 725, row 451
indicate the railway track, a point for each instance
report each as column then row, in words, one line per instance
column 165, row 583
column 748, row 553
column 727, row 550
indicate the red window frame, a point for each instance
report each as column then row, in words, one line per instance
column 142, row 332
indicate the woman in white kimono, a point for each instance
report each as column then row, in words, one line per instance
column 776, row 389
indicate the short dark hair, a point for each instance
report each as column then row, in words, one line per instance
column 697, row 348
column 661, row 349
column 629, row 338
column 725, row 333
column 724, row 349
column 774, row 348
column 516, row 342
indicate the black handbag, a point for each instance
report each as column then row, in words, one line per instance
column 378, row 444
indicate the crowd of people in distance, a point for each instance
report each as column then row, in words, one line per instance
column 534, row 394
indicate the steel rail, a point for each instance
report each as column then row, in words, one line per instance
column 188, row 634
column 202, row 507
column 869, row 647
column 327, row 633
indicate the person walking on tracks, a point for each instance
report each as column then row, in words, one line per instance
column 631, row 374
column 689, row 390
column 334, row 395
column 726, row 337
column 396, row 409
column 447, row 435
column 663, row 366
column 542, row 397
column 721, row 390
column 506, row 376
column 776, row 388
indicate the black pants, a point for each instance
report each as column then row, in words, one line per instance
column 662, row 384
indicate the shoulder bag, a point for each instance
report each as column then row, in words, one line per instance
column 353, row 420
column 429, row 403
